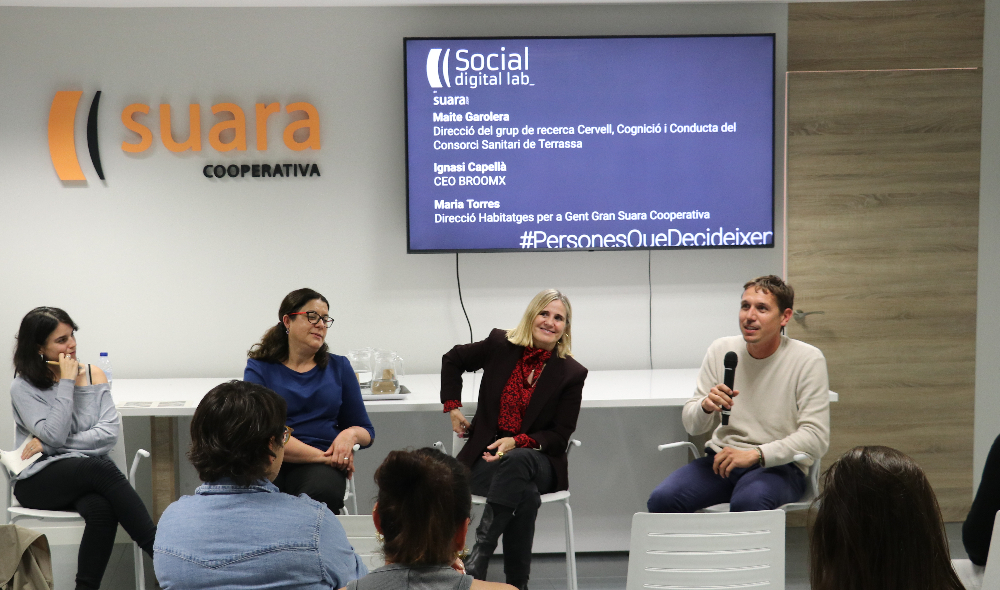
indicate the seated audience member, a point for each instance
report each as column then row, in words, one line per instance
column 878, row 527
column 238, row 530
column 423, row 514
column 63, row 411
column 783, row 409
column 978, row 527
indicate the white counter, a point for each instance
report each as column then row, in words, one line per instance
column 603, row 389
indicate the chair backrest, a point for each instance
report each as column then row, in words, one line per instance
column 724, row 550
column 117, row 453
column 991, row 576
column 361, row 533
column 812, row 482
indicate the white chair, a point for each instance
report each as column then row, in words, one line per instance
column 351, row 492
column 812, row 480
column 361, row 533
column 728, row 550
column 561, row 497
column 976, row 577
column 117, row 454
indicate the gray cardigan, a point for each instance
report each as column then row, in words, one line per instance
column 70, row 420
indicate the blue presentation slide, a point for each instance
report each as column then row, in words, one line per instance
column 590, row 143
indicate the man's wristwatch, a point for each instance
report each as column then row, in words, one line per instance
column 760, row 456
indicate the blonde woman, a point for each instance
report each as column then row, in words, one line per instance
column 529, row 402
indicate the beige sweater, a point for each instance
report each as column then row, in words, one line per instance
column 783, row 406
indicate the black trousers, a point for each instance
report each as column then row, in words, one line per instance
column 95, row 488
column 978, row 527
column 316, row 480
column 517, row 481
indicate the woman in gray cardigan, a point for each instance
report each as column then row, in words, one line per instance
column 65, row 412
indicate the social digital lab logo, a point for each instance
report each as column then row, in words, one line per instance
column 433, row 59
column 230, row 132
column 501, row 67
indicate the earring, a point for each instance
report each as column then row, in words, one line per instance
column 286, row 330
column 379, row 537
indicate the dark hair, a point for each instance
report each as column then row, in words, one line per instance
column 273, row 346
column 34, row 332
column 423, row 499
column 783, row 293
column 878, row 527
column 232, row 431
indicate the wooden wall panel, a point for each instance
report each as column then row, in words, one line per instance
column 883, row 209
column 885, row 35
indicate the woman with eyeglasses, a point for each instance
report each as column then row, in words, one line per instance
column 324, row 399
column 529, row 401
column 238, row 530
column 64, row 415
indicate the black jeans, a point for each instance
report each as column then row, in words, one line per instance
column 95, row 488
column 318, row 481
column 978, row 527
column 517, row 481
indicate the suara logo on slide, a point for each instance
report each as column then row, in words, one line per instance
column 471, row 70
column 62, row 135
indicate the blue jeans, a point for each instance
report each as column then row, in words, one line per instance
column 695, row 486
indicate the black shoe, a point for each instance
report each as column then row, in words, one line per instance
column 491, row 526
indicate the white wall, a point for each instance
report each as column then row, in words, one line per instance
column 988, row 300
column 177, row 275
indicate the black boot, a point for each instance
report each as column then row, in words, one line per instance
column 491, row 526
column 517, row 544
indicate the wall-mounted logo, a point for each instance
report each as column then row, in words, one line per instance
column 478, row 69
column 301, row 132
column 62, row 135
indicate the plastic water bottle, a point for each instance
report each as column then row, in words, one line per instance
column 105, row 365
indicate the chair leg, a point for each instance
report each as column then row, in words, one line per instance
column 571, row 582
column 354, row 496
column 140, row 572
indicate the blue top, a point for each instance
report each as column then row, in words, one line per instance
column 321, row 402
column 233, row 537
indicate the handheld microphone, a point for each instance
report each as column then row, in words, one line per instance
column 728, row 378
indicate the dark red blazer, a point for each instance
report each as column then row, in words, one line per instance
column 551, row 415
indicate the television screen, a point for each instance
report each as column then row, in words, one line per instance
column 590, row 143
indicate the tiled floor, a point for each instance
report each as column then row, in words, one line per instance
column 608, row 571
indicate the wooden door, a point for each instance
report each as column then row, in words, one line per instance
column 883, row 210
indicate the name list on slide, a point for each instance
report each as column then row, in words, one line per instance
column 590, row 143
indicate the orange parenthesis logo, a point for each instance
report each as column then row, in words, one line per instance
column 62, row 135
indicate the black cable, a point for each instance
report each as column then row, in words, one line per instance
column 458, row 279
column 649, row 275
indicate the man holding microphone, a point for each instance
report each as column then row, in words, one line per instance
column 779, row 406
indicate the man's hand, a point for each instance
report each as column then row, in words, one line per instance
column 729, row 458
column 720, row 396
